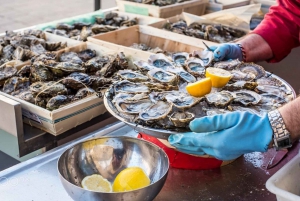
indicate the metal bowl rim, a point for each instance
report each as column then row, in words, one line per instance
column 168, row 163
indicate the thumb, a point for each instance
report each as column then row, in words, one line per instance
column 214, row 123
column 220, row 52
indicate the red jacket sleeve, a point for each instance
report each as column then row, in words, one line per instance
column 280, row 28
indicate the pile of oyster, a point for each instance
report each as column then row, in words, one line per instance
column 154, row 94
column 81, row 30
column 213, row 32
column 144, row 47
column 52, row 81
column 158, row 2
column 25, row 45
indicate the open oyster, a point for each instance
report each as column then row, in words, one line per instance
column 220, row 99
column 180, row 58
column 240, row 85
column 214, row 111
column 162, row 76
column 161, row 96
column 247, row 97
column 271, row 90
column 132, row 76
column 205, row 55
column 133, row 106
column 181, row 119
column 143, row 66
column 228, row 65
column 182, row 100
column 252, row 69
column 157, row 111
column 272, row 99
column 130, row 87
column 121, row 97
column 160, row 61
column 195, row 66
column 242, row 76
column 183, row 74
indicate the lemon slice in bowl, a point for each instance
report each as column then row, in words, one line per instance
column 219, row 77
column 199, row 88
column 130, row 179
column 96, row 183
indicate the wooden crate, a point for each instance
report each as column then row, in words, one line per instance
column 214, row 7
column 196, row 7
column 121, row 40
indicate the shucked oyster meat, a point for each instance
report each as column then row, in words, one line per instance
column 195, row 66
column 220, row 99
column 182, row 101
column 247, row 97
column 162, row 76
column 132, row 76
column 156, row 112
column 130, row 87
column 181, row 119
column 133, row 106
column 252, row 69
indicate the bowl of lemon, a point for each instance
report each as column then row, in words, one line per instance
column 113, row 168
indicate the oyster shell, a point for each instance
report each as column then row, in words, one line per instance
column 160, row 61
column 195, row 66
column 71, row 57
column 76, row 80
column 160, row 96
column 14, row 84
column 130, row 87
column 99, row 83
column 247, row 97
column 269, row 81
column 143, row 66
column 205, row 55
column 133, row 106
column 181, row 119
column 40, row 72
column 252, row 69
column 228, row 65
column 162, row 76
column 53, row 89
column 275, row 90
column 220, row 99
column 183, row 74
column 86, row 55
column 96, row 63
column 240, row 85
column 182, row 100
column 57, row 101
column 6, row 71
column 82, row 93
column 68, row 67
column 28, row 96
column 156, row 112
column 246, row 109
column 132, row 76
column 241, row 76
column 121, row 97
column 180, row 58
column 214, row 111
column 52, row 46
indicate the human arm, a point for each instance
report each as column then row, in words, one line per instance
column 228, row 136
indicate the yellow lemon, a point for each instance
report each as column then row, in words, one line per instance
column 219, row 77
column 199, row 88
column 97, row 183
column 129, row 179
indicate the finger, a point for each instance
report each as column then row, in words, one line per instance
column 197, row 140
column 219, row 53
column 213, row 48
column 189, row 150
column 214, row 123
column 220, row 155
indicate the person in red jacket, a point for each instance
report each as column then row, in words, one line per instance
column 227, row 136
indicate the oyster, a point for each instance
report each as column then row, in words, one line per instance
column 122, row 97
column 57, row 101
column 220, row 99
column 53, row 89
column 130, row 87
column 68, row 67
column 195, row 66
column 180, row 58
column 71, row 57
column 76, row 80
column 240, row 85
column 86, row 55
column 37, row 48
column 82, row 93
column 99, row 83
column 269, row 81
column 96, row 29
column 241, row 76
column 133, row 106
column 247, row 97
column 214, row 111
column 53, row 46
column 8, row 52
column 36, row 87
column 14, row 84
column 143, row 66
column 246, row 109
column 161, row 96
column 80, row 25
column 24, row 71
column 181, row 119
column 96, row 63
column 228, row 65
column 160, row 87
column 64, row 26
column 162, row 76
column 271, row 90
column 183, row 74
column 156, row 112
column 205, row 55
column 6, row 71
column 40, row 72
column 28, row 96
column 160, row 61
column 272, row 99
column 132, row 76
column 253, row 70
column 182, row 100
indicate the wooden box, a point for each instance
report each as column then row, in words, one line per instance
column 196, row 7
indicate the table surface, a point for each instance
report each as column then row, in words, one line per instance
column 244, row 179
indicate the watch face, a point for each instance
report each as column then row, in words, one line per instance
column 284, row 143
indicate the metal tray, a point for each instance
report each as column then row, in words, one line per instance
column 162, row 133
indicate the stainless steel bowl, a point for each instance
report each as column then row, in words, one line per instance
column 108, row 156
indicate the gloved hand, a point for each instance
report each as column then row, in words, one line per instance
column 225, row 136
column 227, row 51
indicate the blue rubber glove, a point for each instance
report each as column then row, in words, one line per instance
column 227, row 51
column 225, row 136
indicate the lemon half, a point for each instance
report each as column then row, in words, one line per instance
column 219, row 77
column 199, row 88
column 97, row 183
column 129, row 179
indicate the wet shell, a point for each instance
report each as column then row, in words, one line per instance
column 220, row 99
column 71, row 57
column 162, row 76
column 241, row 76
column 143, row 66
column 228, row 65
column 6, row 71
column 180, row 58
column 14, row 84
column 130, row 87
column 132, row 76
column 252, row 69
column 205, row 55
column 181, row 119
column 247, row 97
column 56, row 102
column 82, row 93
column 239, row 85
column 160, row 61
column 121, row 97
column 133, row 106
column 160, row 96
column 182, row 101
column 87, row 54
column 195, row 67
column 76, row 80
column 156, row 112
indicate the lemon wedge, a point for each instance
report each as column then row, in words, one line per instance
column 199, row 88
column 129, row 179
column 97, row 183
column 219, row 77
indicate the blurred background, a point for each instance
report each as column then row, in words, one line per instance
column 17, row 14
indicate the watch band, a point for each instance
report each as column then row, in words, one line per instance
column 281, row 135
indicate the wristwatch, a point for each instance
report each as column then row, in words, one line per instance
column 281, row 136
